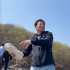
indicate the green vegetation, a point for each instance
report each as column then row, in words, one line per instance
column 13, row 34
column 61, row 54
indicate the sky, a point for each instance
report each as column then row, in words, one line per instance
column 55, row 13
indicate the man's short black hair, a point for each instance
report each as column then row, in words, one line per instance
column 3, row 43
column 35, row 24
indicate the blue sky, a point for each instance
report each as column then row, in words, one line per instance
column 56, row 14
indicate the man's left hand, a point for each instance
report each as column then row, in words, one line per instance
column 25, row 43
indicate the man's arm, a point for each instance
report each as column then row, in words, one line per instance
column 43, row 41
column 27, row 51
column 1, row 50
column 10, row 57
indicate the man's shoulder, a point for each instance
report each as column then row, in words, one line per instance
column 48, row 33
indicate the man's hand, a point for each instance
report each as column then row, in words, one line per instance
column 13, row 55
column 3, row 59
column 25, row 43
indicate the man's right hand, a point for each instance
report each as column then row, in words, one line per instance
column 13, row 55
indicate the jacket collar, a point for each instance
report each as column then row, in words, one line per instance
column 42, row 33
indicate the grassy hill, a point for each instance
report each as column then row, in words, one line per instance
column 15, row 34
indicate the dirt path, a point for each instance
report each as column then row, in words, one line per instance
column 17, row 69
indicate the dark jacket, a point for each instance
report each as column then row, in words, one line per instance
column 41, row 49
column 7, row 56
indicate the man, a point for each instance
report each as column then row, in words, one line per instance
column 1, row 53
column 41, row 46
column 5, row 59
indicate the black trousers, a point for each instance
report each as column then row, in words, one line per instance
column 5, row 63
column 0, row 64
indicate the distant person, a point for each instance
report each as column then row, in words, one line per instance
column 1, row 53
column 41, row 46
column 5, row 59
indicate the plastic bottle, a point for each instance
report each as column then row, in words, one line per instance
column 12, row 49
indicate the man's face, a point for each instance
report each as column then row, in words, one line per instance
column 40, row 26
